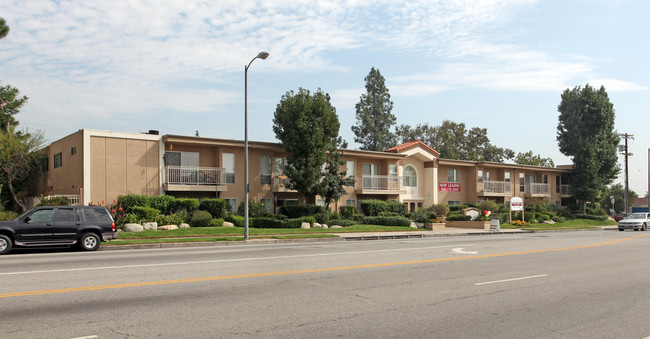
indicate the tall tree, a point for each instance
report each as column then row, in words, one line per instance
column 307, row 126
column 4, row 29
column 585, row 133
column 454, row 141
column 618, row 192
column 529, row 158
column 10, row 104
column 19, row 157
column 334, row 180
column 374, row 117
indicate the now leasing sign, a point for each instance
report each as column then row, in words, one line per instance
column 449, row 187
column 516, row 204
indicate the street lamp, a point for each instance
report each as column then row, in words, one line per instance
column 261, row 55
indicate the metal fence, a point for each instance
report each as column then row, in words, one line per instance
column 182, row 175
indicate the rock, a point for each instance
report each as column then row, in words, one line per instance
column 228, row 224
column 133, row 228
column 336, row 226
column 317, row 225
column 150, row 225
column 413, row 225
column 168, row 227
column 325, row 226
column 306, row 226
column 184, row 225
column 550, row 222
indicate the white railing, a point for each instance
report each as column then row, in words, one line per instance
column 182, row 175
column 74, row 199
column 382, row 182
column 496, row 187
column 533, row 188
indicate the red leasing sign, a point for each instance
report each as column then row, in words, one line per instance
column 449, row 187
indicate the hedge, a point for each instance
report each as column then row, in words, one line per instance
column 145, row 213
column 298, row 211
column 201, row 219
column 375, row 207
column 162, row 203
column 387, row 221
column 235, row 220
column 218, row 208
column 347, row 211
column 130, row 201
column 459, row 217
column 344, row 223
column 189, row 205
column 266, row 222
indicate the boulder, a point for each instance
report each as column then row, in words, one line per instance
column 150, row 225
column 413, row 225
column 306, row 226
column 168, row 227
column 228, row 224
column 184, row 225
column 317, row 225
column 325, row 226
column 336, row 226
column 133, row 228
column 550, row 222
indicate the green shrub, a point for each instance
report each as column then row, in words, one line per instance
column 559, row 219
column 55, row 201
column 439, row 210
column 459, row 217
column 502, row 217
column 172, row 219
column 457, row 208
column 216, row 222
column 293, row 223
column 342, row 222
column 298, row 211
column 347, row 211
column 200, row 219
column 236, row 220
column 310, row 219
column 375, row 207
column 131, row 219
column 387, row 221
column 255, row 209
column 145, row 214
column 423, row 215
column 218, row 208
column 592, row 217
column 162, row 203
column 544, row 217
column 129, row 201
column 8, row 215
column 322, row 218
column 184, row 204
column 266, row 222
column 488, row 205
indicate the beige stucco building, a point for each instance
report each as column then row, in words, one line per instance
column 93, row 166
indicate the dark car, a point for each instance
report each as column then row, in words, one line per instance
column 620, row 216
column 82, row 226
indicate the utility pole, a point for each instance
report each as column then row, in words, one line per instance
column 627, row 182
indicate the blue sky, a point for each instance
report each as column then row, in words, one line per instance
column 178, row 66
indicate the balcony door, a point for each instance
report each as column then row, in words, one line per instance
column 370, row 176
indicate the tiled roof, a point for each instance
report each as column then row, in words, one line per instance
column 410, row 144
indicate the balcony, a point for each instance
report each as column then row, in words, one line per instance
column 182, row 178
column 537, row 190
column 281, row 183
column 380, row 184
column 496, row 188
column 566, row 190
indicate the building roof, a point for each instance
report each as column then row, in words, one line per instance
column 412, row 144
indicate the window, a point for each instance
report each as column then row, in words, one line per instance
column 410, row 177
column 320, row 202
column 268, row 206
column 392, row 172
column 186, row 159
column 232, row 203
column 42, row 216
column 73, row 150
column 351, row 202
column 370, row 179
column 479, row 176
column 557, row 184
column 453, row 175
column 522, row 182
column 58, row 160
column 96, row 215
column 228, row 162
column 265, row 170
column 453, row 203
column 66, row 214
column 487, row 176
column 279, row 164
column 506, row 177
column 350, row 169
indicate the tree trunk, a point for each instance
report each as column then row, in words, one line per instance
column 13, row 193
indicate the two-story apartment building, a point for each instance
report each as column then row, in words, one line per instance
column 97, row 166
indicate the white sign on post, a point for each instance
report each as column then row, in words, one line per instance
column 516, row 204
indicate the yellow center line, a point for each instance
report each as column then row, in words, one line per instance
column 312, row 270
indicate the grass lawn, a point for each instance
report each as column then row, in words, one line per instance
column 574, row 224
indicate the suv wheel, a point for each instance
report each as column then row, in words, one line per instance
column 643, row 227
column 5, row 244
column 89, row 242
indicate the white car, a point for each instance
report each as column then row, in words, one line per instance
column 638, row 221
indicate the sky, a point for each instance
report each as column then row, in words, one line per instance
column 177, row 66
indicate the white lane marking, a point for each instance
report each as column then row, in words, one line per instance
column 461, row 250
column 225, row 260
column 513, row 279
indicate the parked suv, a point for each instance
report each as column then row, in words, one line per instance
column 81, row 226
column 638, row 221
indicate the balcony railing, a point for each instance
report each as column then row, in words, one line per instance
column 496, row 187
column 281, row 183
column 537, row 189
column 182, row 175
column 565, row 190
column 381, row 182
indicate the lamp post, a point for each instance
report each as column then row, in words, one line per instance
column 261, row 55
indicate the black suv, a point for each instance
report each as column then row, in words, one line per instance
column 82, row 226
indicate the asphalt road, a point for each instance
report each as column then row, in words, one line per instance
column 589, row 284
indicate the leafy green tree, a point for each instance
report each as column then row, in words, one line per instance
column 10, row 104
column 618, row 192
column 374, row 117
column 536, row 160
column 19, row 158
column 454, row 141
column 334, row 180
column 585, row 132
column 307, row 126
column 4, row 29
